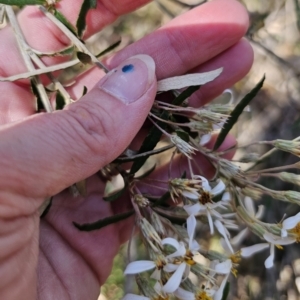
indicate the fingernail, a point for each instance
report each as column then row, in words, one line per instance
column 131, row 79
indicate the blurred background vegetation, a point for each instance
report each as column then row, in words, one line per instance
column 274, row 113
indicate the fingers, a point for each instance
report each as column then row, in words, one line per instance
column 52, row 151
column 192, row 38
column 212, row 41
column 236, row 63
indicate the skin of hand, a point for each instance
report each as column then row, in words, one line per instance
column 42, row 154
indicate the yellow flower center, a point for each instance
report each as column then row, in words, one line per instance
column 202, row 296
column 296, row 231
column 236, row 259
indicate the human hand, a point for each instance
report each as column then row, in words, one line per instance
column 41, row 155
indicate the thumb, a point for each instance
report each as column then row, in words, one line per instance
column 45, row 153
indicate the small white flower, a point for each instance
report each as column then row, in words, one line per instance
column 275, row 240
column 289, row 223
column 209, row 207
column 182, row 270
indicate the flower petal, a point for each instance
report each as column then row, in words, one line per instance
column 170, row 241
column 205, row 138
column 223, row 267
column 192, row 209
column 170, row 268
column 210, row 222
column 239, row 237
column 291, row 222
column 191, row 195
column 205, row 183
column 260, row 212
column 276, row 240
column 179, row 252
column 226, row 197
column 136, row 267
column 173, row 283
column 269, row 262
column 184, row 295
column 248, row 251
column 191, row 224
column 223, row 231
column 219, row 188
column 219, row 293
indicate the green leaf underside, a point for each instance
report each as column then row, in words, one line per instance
column 60, row 101
column 23, row 2
column 103, row 222
column 108, row 49
column 147, row 173
column 226, row 291
column 59, row 16
column 232, row 119
column 81, row 21
column 155, row 134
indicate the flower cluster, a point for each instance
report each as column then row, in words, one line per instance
column 180, row 266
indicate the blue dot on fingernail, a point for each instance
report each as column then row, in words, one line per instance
column 128, row 68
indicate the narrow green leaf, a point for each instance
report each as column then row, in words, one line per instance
column 103, row 222
column 60, row 101
column 232, row 119
column 23, row 2
column 81, row 22
column 84, row 58
column 60, row 17
column 109, row 48
column 226, row 291
column 185, row 94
